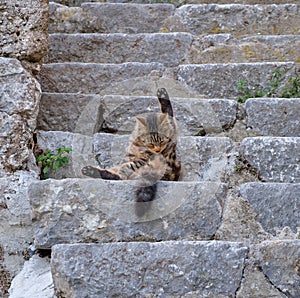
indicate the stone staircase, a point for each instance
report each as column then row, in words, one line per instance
column 231, row 227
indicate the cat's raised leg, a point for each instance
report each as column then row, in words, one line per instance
column 164, row 100
column 99, row 173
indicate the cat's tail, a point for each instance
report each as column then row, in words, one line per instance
column 148, row 177
column 144, row 196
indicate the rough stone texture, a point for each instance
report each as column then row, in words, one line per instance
column 24, row 29
column 169, row 49
column 226, row 48
column 101, row 18
column 82, row 151
column 86, row 113
column 237, row 19
column 208, row 158
column 276, row 159
column 89, row 210
column 178, row 2
column 221, row 80
column 279, row 261
column 276, row 205
column 256, row 284
column 69, row 112
column 173, row 269
column 15, row 225
column 20, row 96
column 34, row 281
column 194, row 116
column 92, row 77
column 274, row 116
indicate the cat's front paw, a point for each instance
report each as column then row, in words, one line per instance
column 91, row 172
column 162, row 93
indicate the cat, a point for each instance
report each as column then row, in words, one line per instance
column 151, row 154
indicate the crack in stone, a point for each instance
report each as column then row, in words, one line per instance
column 286, row 294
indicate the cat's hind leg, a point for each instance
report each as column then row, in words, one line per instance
column 99, row 173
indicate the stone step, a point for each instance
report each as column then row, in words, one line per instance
column 276, row 206
column 87, row 114
column 274, row 116
column 165, row 269
column 196, row 19
column 277, row 159
column 96, row 210
column 191, row 80
column 171, row 49
column 203, row 158
column 101, row 18
column 177, row 269
column 177, row 2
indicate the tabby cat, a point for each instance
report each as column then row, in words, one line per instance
column 151, row 155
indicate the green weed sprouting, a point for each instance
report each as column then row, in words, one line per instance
column 50, row 161
column 292, row 89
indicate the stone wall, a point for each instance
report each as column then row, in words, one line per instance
column 23, row 44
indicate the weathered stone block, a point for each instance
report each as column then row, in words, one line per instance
column 238, row 19
column 69, row 112
column 279, row 261
column 221, row 80
column 169, row 49
column 274, row 116
column 34, row 280
column 16, row 232
column 227, row 48
column 20, row 96
column 202, row 158
column 24, row 29
column 96, row 210
column 276, row 159
column 276, row 205
column 172, row 269
column 95, row 78
column 101, row 18
column 194, row 116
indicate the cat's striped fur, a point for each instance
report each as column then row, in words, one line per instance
column 151, row 154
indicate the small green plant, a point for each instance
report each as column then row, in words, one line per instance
column 50, row 161
column 292, row 89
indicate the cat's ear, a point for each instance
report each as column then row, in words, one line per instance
column 141, row 120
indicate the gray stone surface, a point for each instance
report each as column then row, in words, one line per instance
column 203, row 158
column 228, row 48
column 279, row 261
column 34, row 281
column 221, row 80
column 276, row 205
column 86, row 113
column 171, row 269
column 69, row 112
column 274, row 116
column 24, row 29
column 169, row 49
column 275, row 158
column 96, row 210
column 237, row 19
column 101, row 18
column 16, row 231
column 93, row 77
column 194, row 116
column 20, row 96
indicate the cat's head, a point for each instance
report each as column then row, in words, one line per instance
column 154, row 131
